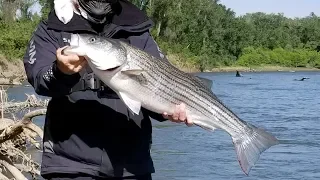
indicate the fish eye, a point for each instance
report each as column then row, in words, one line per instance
column 92, row 39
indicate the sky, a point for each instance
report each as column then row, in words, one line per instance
column 290, row 8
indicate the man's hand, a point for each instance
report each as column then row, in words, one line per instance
column 179, row 115
column 69, row 64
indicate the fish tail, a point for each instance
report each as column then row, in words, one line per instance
column 250, row 145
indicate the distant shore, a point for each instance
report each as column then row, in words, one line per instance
column 262, row 69
column 249, row 69
column 14, row 73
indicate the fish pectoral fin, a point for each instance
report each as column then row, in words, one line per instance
column 133, row 72
column 137, row 75
column 132, row 104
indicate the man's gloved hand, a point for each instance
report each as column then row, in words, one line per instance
column 179, row 115
column 69, row 64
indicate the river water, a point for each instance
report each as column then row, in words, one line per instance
column 275, row 101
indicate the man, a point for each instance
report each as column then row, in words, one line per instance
column 89, row 133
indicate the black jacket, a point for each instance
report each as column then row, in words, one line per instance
column 85, row 132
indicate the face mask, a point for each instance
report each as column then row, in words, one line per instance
column 96, row 11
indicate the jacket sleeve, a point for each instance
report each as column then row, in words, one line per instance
column 150, row 46
column 40, row 65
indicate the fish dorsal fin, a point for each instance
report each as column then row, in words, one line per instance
column 205, row 81
column 133, row 105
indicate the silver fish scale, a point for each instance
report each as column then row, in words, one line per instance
column 163, row 83
column 174, row 86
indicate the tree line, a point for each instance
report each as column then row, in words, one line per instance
column 201, row 33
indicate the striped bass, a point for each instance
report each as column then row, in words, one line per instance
column 142, row 80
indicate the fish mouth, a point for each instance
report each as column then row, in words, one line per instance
column 75, row 40
column 112, row 69
column 73, row 50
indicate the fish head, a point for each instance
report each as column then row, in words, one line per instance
column 102, row 53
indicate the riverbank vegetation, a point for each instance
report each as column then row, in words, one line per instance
column 202, row 35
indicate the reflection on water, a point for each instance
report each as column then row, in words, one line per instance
column 289, row 109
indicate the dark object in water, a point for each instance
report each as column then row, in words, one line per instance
column 238, row 74
column 302, row 79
